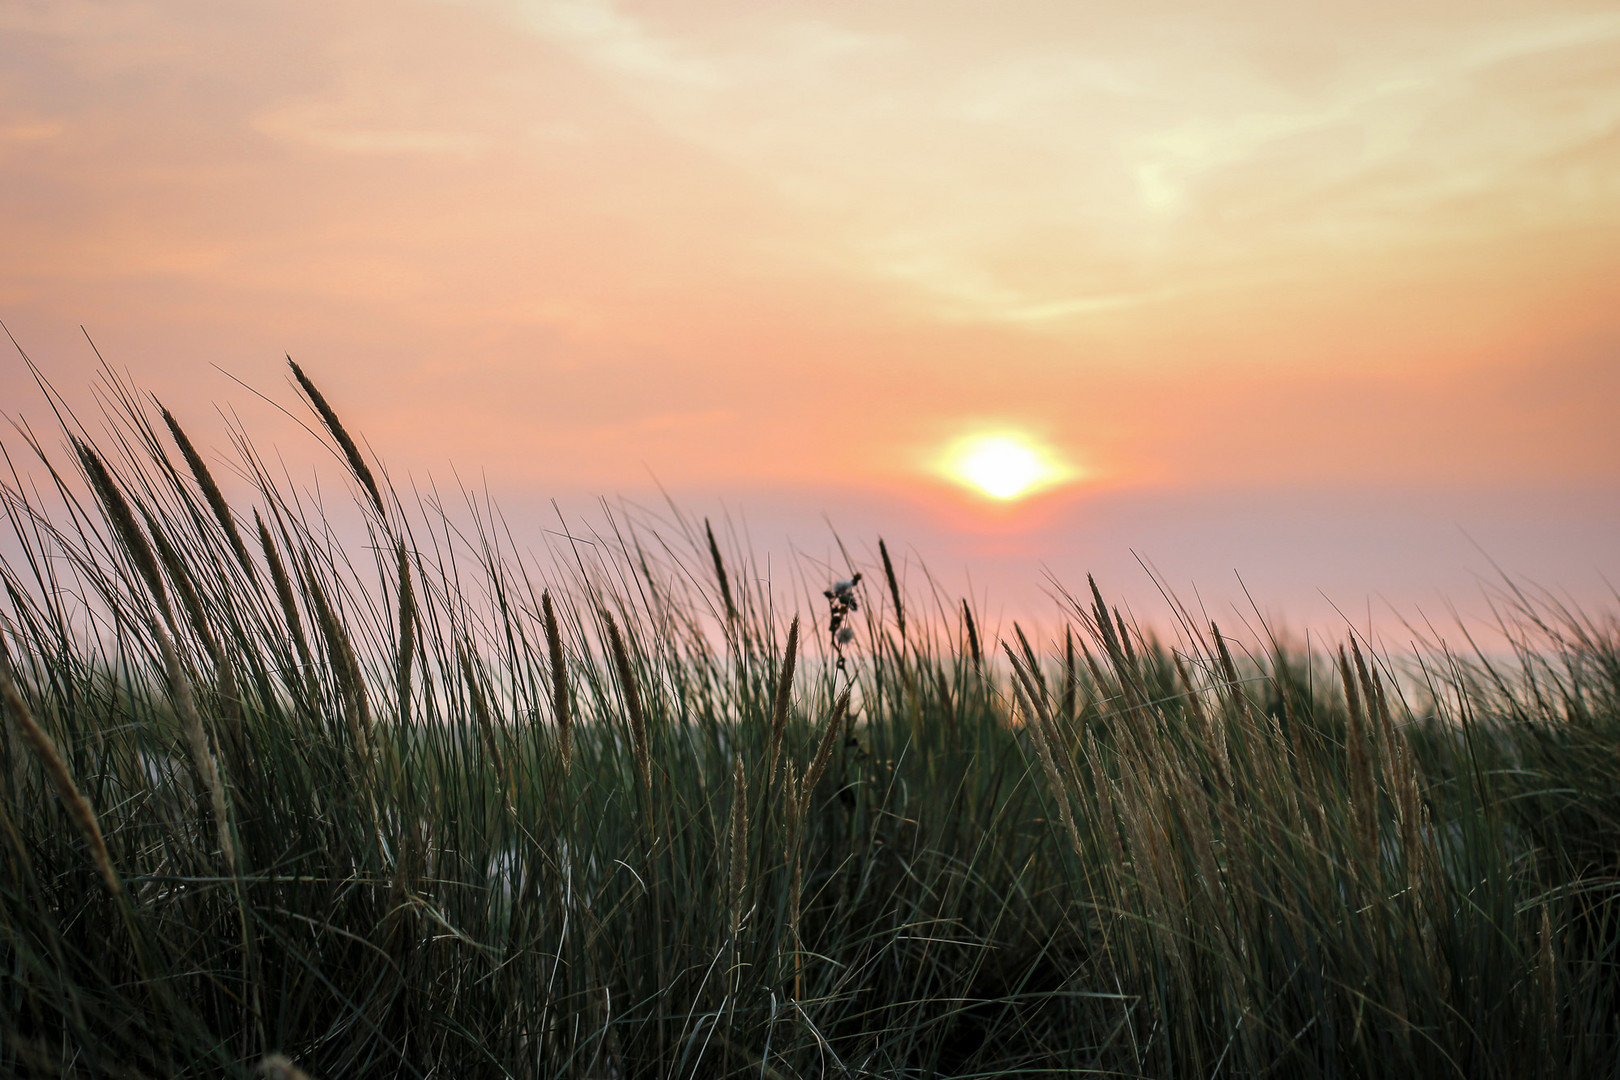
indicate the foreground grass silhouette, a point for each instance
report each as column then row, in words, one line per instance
column 411, row 805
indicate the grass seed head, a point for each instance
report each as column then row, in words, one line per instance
column 211, row 492
column 202, row 754
column 824, row 749
column 351, row 452
column 632, row 700
column 344, row 662
column 129, row 534
column 56, row 770
column 190, row 602
column 559, row 679
column 289, row 610
column 407, row 633
column 480, row 706
column 894, row 587
column 784, row 697
column 972, row 637
column 720, row 573
column 1363, row 793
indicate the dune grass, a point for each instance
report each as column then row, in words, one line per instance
column 358, row 791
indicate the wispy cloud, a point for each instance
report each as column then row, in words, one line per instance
column 1180, row 142
column 620, row 42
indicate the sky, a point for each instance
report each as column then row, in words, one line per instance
column 1319, row 297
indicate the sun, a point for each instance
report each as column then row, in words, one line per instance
column 1003, row 465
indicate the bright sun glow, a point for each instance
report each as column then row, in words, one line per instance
column 1004, row 466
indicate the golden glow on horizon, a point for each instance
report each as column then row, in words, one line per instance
column 1004, row 465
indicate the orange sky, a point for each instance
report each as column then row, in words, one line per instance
column 783, row 250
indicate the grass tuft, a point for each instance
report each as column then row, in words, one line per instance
column 295, row 810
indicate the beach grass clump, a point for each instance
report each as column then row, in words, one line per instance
column 289, row 788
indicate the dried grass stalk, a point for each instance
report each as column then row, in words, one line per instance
column 289, row 604
column 1125, row 643
column 335, row 426
column 56, row 770
column 1363, row 792
column 345, row 665
column 894, row 587
column 632, row 701
column 211, row 492
column 480, row 708
column 793, row 818
column 1369, row 699
column 128, row 533
column 792, row 841
column 784, row 697
column 1547, row 977
column 1032, row 665
column 1037, row 726
column 559, row 680
column 720, row 573
column 973, row 638
column 1417, row 852
column 202, row 755
column 1104, row 625
column 1191, row 697
column 738, row 845
column 407, row 634
column 824, row 749
column 1071, row 680
column 1102, row 788
column 191, row 604
column 1229, row 672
